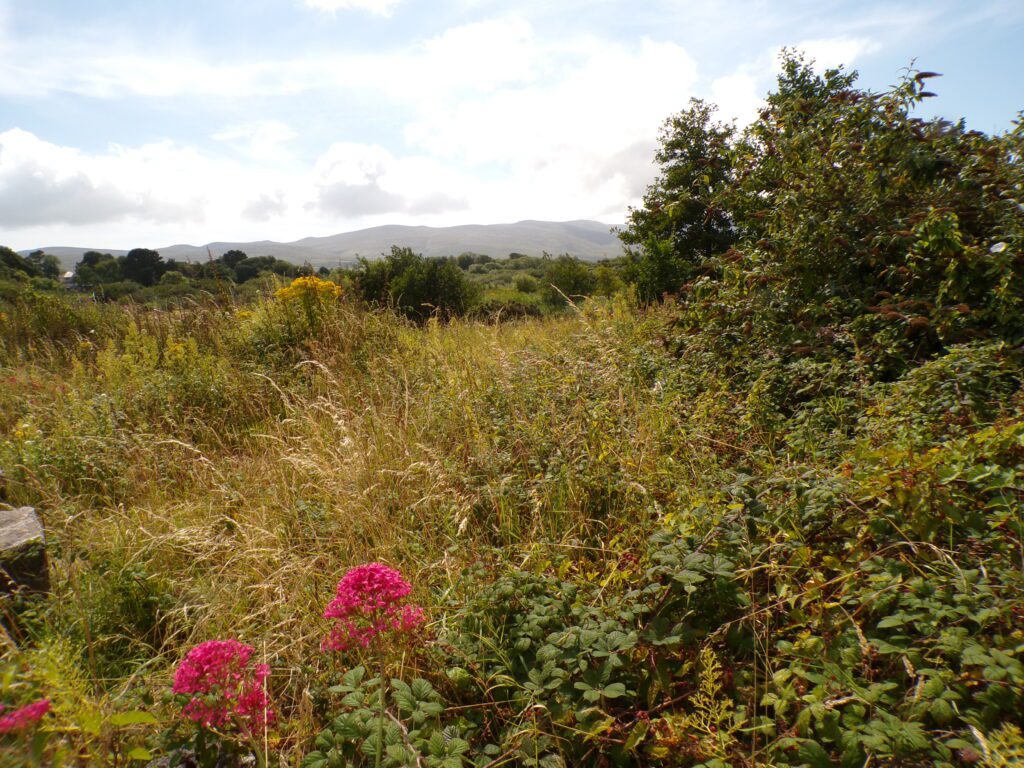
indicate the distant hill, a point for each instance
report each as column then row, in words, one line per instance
column 589, row 240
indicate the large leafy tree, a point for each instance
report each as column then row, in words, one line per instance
column 682, row 224
column 143, row 265
column 855, row 216
column 849, row 225
column 13, row 262
column 47, row 264
column 234, row 257
column 97, row 268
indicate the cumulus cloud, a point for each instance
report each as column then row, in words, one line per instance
column 495, row 119
column 261, row 139
column 359, row 199
column 633, row 165
column 482, row 55
column 356, row 180
column 831, row 52
column 379, row 7
column 42, row 183
column 435, row 202
column 265, row 207
column 500, row 122
column 31, row 193
column 739, row 95
column 566, row 135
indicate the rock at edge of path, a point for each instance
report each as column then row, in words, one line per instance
column 23, row 562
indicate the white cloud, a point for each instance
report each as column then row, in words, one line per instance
column 500, row 123
column 42, row 183
column 480, row 56
column 379, row 7
column 738, row 96
column 262, row 140
column 265, row 207
column 567, row 141
column 161, row 193
column 358, row 180
column 833, row 51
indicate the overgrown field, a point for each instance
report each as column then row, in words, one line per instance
column 622, row 559
column 762, row 507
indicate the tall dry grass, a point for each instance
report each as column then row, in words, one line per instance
column 211, row 470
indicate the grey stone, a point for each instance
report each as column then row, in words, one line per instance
column 23, row 562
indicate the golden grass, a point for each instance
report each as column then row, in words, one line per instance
column 216, row 459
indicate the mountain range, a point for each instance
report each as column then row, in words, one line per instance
column 589, row 240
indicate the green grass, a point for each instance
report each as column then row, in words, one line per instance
column 210, row 471
column 181, row 462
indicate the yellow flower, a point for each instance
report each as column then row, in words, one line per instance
column 309, row 287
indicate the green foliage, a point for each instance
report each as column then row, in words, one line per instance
column 566, row 278
column 143, row 266
column 861, row 231
column 233, row 258
column 13, row 265
column 46, row 264
column 526, row 284
column 98, row 269
column 580, row 660
column 778, row 522
column 970, row 385
column 1002, row 748
column 79, row 728
column 33, row 317
column 681, row 224
column 406, row 731
column 416, row 286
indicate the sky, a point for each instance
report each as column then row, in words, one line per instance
column 142, row 123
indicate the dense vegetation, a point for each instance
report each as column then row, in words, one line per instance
column 454, row 286
column 776, row 519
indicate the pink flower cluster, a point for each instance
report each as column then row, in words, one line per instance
column 25, row 717
column 367, row 604
column 224, row 690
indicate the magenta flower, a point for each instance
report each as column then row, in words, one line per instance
column 25, row 717
column 368, row 603
column 224, row 689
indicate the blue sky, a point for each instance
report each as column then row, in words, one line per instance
column 130, row 123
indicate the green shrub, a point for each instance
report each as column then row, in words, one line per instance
column 418, row 287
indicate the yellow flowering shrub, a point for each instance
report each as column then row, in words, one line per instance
column 306, row 302
column 308, row 288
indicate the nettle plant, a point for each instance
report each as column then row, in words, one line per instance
column 382, row 721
